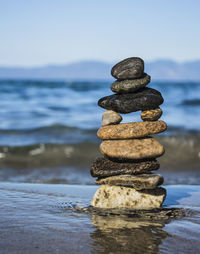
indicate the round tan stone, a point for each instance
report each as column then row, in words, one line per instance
column 138, row 182
column 110, row 117
column 132, row 148
column 151, row 115
column 110, row 196
column 131, row 130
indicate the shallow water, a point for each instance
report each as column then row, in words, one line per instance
column 41, row 218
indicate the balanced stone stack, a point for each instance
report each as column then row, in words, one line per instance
column 125, row 171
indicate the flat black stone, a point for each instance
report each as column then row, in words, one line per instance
column 143, row 99
column 129, row 68
column 103, row 167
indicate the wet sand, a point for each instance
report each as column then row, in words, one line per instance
column 47, row 218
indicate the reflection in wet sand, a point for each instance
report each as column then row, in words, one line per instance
column 47, row 218
column 124, row 235
column 131, row 233
column 116, row 222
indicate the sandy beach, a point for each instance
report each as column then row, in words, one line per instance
column 41, row 218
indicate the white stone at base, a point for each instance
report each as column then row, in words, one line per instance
column 111, row 196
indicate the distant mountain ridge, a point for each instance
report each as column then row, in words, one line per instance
column 97, row 70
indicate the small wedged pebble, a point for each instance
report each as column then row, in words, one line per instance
column 129, row 68
column 130, row 85
column 144, row 99
column 131, row 130
column 138, row 182
column 110, row 117
column 103, row 167
column 151, row 115
column 111, row 196
column 143, row 148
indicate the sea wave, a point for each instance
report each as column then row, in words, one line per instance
column 182, row 152
column 27, row 105
column 55, row 133
column 64, row 134
column 80, row 86
column 193, row 102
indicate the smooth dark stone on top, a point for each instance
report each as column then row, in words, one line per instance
column 143, row 99
column 103, row 167
column 129, row 68
column 130, row 85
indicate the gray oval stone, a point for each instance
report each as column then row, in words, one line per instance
column 129, row 68
column 110, row 117
column 144, row 99
column 130, row 85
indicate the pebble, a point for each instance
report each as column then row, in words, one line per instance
column 138, row 182
column 151, row 115
column 130, row 85
column 131, row 130
column 110, row 196
column 144, row 99
column 135, row 149
column 103, row 167
column 129, row 68
column 110, row 117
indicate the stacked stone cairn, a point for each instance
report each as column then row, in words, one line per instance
column 125, row 171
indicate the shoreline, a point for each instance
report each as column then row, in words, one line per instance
column 32, row 214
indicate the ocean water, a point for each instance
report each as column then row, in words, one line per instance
column 48, row 137
column 48, row 125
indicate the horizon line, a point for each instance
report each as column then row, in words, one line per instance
column 95, row 60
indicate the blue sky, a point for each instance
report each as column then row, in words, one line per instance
column 39, row 32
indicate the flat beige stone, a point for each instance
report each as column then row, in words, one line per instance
column 110, row 196
column 138, row 182
column 151, row 115
column 132, row 148
column 110, row 117
column 131, row 130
